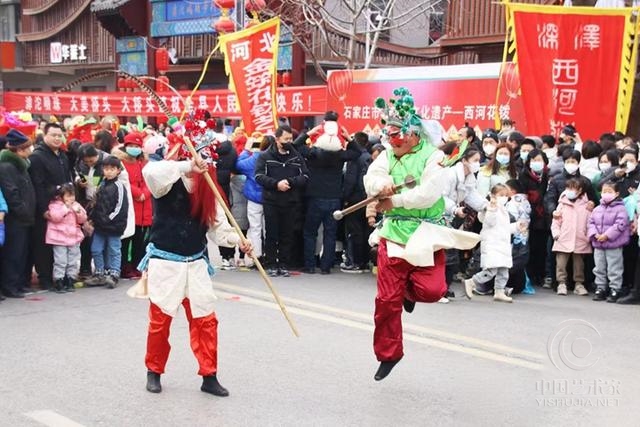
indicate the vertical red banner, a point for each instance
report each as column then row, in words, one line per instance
column 569, row 65
column 250, row 61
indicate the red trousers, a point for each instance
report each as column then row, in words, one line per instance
column 397, row 279
column 204, row 340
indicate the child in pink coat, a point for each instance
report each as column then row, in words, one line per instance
column 64, row 233
column 569, row 231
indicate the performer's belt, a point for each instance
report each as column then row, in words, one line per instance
column 153, row 252
column 438, row 221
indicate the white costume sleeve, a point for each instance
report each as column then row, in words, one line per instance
column 222, row 233
column 377, row 176
column 429, row 191
column 160, row 176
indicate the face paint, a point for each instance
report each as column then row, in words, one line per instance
column 396, row 137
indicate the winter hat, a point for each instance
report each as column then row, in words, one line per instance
column 16, row 139
column 112, row 161
column 490, row 134
column 569, row 130
column 134, row 138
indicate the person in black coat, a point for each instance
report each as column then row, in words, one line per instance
column 357, row 229
column 20, row 196
column 323, row 197
column 49, row 169
column 283, row 175
column 109, row 218
column 225, row 166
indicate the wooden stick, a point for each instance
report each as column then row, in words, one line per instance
column 235, row 225
column 338, row 215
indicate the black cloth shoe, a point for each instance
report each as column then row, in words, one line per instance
column 408, row 305
column 153, row 382
column 450, row 294
column 384, row 369
column 58, row 286
column 13, row 294
column 613, row 295
column 283, row 272
column 600, row 295
column 211, row 385
column 68, row 284
column 631, row 299
column 323, row 271
column 308, row 270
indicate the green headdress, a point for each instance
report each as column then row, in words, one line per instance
column 401, row 112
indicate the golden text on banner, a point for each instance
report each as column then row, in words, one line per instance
column 251, row 62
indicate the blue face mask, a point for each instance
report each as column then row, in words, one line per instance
column 571, row 194
column 503, row 159
column 537, row 166
column 133, row 151
column 524, row 155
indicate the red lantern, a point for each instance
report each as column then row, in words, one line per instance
column 122, row 83
column 225, row 4
column 286, row 78
column 511, row 80
column 224, row 25
column 339, row 84
column 132, row 85
column 162, row 83
column 162, row 60
column 254, row 6
column 279, row 79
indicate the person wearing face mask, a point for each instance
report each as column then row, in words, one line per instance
column 608, row 231
column 489, row 145
column 499, row 170
column 569, row 232
column 590, row 159
column 134, row 162
column 606, row 161
column 462, row 203
column 534, row 179
column 495, row 246
column 526, row 147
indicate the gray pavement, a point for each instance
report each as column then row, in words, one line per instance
column 78, row 360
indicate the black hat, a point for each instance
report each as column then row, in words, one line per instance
column 112, row 161
column 490, row 134
column 569, row 130
column 16, row 139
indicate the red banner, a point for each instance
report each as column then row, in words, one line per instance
column 291, row 101
column 250, row 58
column 569, row 64
column 451, row 95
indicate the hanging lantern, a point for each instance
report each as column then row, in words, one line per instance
column 225, row 4
column 162, row 83
column 224, row 25
column 255, row 6
column 122, row 84
column 162, row 60
column 279, row 80
column 131, row 84
column 286, row 78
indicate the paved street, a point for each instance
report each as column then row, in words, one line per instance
column 77, row 360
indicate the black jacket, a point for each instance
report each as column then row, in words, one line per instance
column 110, row 213
column 325, row 168
column 353, row 188
column 558, row 184
column 535, row 188
column 17, row 189
column 47, row 171
column 272, row 167
column 626, row 182
column 225, row 165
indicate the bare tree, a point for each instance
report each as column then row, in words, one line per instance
column 360, row 21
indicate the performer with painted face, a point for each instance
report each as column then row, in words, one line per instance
column 413, row 235
column 178, row 271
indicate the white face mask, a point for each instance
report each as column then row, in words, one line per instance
column 571, row 168
column 551, row 153
column 631, row 166
column 489, row 149
column 474, row 167
column 604, row 166
column 502, row 200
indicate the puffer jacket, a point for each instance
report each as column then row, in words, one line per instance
column 143, row 209
column 612, row 220
column 110, row 213
column 63, row 227
column 495, row 245
column 569, row 231
column 17, row 188
column 246, row 165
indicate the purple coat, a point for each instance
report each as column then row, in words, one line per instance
column 610, row 219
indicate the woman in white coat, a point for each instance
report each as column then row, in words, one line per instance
column 460, row 194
